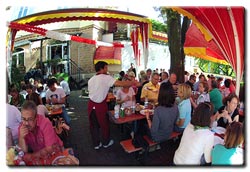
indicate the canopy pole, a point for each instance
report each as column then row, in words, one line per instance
column 238, row 58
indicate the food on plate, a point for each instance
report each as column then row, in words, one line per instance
column 151, row 111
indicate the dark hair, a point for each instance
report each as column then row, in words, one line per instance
column 227, row 83
column 202, row 114
column 122, row 73
column 214, row 84
column 166, row 95
column 165, row 73
column 234, row 135
column 29, row 86
column 100, row 65
column 229, row 98
column 192, row 77
column 34, row 97
column 201, row 75
column 51, row 82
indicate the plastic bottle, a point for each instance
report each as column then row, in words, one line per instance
column 122, row 111
column 133, row 107
column 146, row 102
column 117, row 109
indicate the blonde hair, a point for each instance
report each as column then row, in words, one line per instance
column 131, row 74
column 234, row 135
column 185, row 90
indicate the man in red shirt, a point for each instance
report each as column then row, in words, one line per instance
column 36, row 133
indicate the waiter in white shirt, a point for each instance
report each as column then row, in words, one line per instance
column 98, row 87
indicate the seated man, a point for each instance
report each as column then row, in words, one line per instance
column 13, row 121
column 56, row 95
column 151, row 89
column 36, row 133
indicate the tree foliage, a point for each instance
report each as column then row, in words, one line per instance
column 216, row 68
column 158, row 26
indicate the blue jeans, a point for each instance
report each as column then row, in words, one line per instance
column 65, row 115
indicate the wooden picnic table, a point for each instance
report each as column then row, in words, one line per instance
column 126, row 119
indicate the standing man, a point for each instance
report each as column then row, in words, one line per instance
column 98, row 87
column 132, row 68
column 64, row 84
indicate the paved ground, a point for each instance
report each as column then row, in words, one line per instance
column 80, row 140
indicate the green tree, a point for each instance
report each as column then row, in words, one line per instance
column 216, row 68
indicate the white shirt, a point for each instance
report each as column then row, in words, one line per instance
column 64, row 84
column 204, row 97
column 194, row 143
column 42, row 110
column 13, row 120
column 98, row 87
column 121, row 96
column 58, row 93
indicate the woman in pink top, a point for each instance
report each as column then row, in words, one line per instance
column 36, row 132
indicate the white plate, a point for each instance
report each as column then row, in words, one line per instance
column 151, row 111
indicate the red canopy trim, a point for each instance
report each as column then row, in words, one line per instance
column 111, row 55
column 193, row 18
column 226, row 26
column 197, row 46
column 59, row 36
column 159, row 36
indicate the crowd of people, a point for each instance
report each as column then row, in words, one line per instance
column 28, row 125
column 191, row 108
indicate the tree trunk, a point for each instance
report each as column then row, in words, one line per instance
column 174, row 40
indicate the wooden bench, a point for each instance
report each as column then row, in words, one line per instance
column 128, row 146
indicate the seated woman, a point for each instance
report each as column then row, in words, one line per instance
column 41, row 108
column 165, row 115
column 230, row 153
column 36, row 133
column 203, row 94
column 197, row 140
column 126, row 96
column 184, row 107
column 228, row 112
